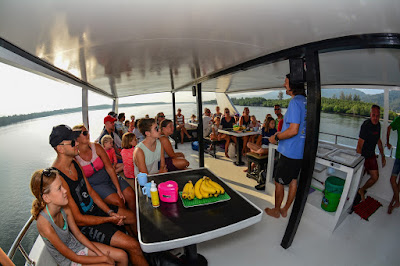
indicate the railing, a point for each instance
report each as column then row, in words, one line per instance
column 17, row 243
column 336, row 136
column 346, row 137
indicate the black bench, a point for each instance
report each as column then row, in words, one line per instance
column 214, row 144
column 260, row 161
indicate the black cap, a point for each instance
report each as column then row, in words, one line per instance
column 61, row 133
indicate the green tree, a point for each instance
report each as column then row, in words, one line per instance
column 280, row 95
column 342, row 97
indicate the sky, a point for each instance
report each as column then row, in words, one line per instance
column 25, row 92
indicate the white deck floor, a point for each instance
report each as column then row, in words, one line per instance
column 354, row 242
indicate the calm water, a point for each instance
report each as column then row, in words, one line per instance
column 25, row 149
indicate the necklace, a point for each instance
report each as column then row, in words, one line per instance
column 69, row 169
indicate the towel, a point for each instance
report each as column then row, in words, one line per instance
column 367, row 207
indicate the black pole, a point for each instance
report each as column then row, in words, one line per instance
column 173, row 106
column 310, row 147
column 200, row 126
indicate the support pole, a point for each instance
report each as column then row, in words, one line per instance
column 173, row 106
column 200, row 126
column 310, row 147
column 85, row 91
column 173, row 113
column 385, row 115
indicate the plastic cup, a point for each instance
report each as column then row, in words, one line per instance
column 142, row 179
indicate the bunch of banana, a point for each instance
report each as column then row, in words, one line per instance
column 206, row 188
column 188, row 191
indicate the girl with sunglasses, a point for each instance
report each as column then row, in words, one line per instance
column 56, row 225
column 148, row 156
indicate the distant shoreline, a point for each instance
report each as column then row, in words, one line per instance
column 13, row 119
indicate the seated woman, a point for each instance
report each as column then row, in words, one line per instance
column 148, row 156
column 180, row 125
column 255, row 126
column 134, row 129
column 101, row 175
column 193, row 119
column 173, row 160
column 244, row 121
column 56, row 225
column 227, row 122
column 267, row 131
column 214, row 129
column 129, row 141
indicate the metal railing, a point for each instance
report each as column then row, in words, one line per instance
column 346, row 137
column 17, row 243
column 336, row 136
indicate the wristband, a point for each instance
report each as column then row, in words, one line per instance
column 276, row 137
column 109, row 212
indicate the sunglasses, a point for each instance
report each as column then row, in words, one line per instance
column 46, row 172
column 276, row 109
column 85, row 133
column 162, row 116
column 157, row 128
column 72, row 143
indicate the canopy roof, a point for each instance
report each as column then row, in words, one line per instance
column 122, row 48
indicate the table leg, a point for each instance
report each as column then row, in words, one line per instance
column 191, row 256
column 239, row 147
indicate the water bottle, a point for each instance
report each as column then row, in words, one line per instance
column 155, row 200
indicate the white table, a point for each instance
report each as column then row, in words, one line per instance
column 171, row 225
column 239, row 135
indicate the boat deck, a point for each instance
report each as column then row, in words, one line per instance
column 354, row 242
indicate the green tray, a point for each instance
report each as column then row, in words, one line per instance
column 200, row 202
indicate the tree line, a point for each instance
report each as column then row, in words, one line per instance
column 8, row 120
column 349, row 105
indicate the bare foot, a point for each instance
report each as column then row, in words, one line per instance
column 283, row 212
column 226, row 154
column 390, row 209
column 361, row 192
column 245, row 170
column 272, row 212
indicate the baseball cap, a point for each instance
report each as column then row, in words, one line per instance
column 61, row 133
column 109, row 118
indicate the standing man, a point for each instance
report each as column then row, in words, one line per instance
column 395, row 125
column 291, row 147
column 279, row 115
column 98, row 221
column 370, row 133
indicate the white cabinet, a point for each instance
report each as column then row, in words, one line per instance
column 349, row 170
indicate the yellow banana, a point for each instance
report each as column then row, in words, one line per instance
column 217, row 189
column 207, row 188
column 191, row 191
column 204, row 194
column 185, row 191
column 197, row 192
column 217, row 186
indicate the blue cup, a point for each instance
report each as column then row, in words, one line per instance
column 142, row 178
column 146, row 189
